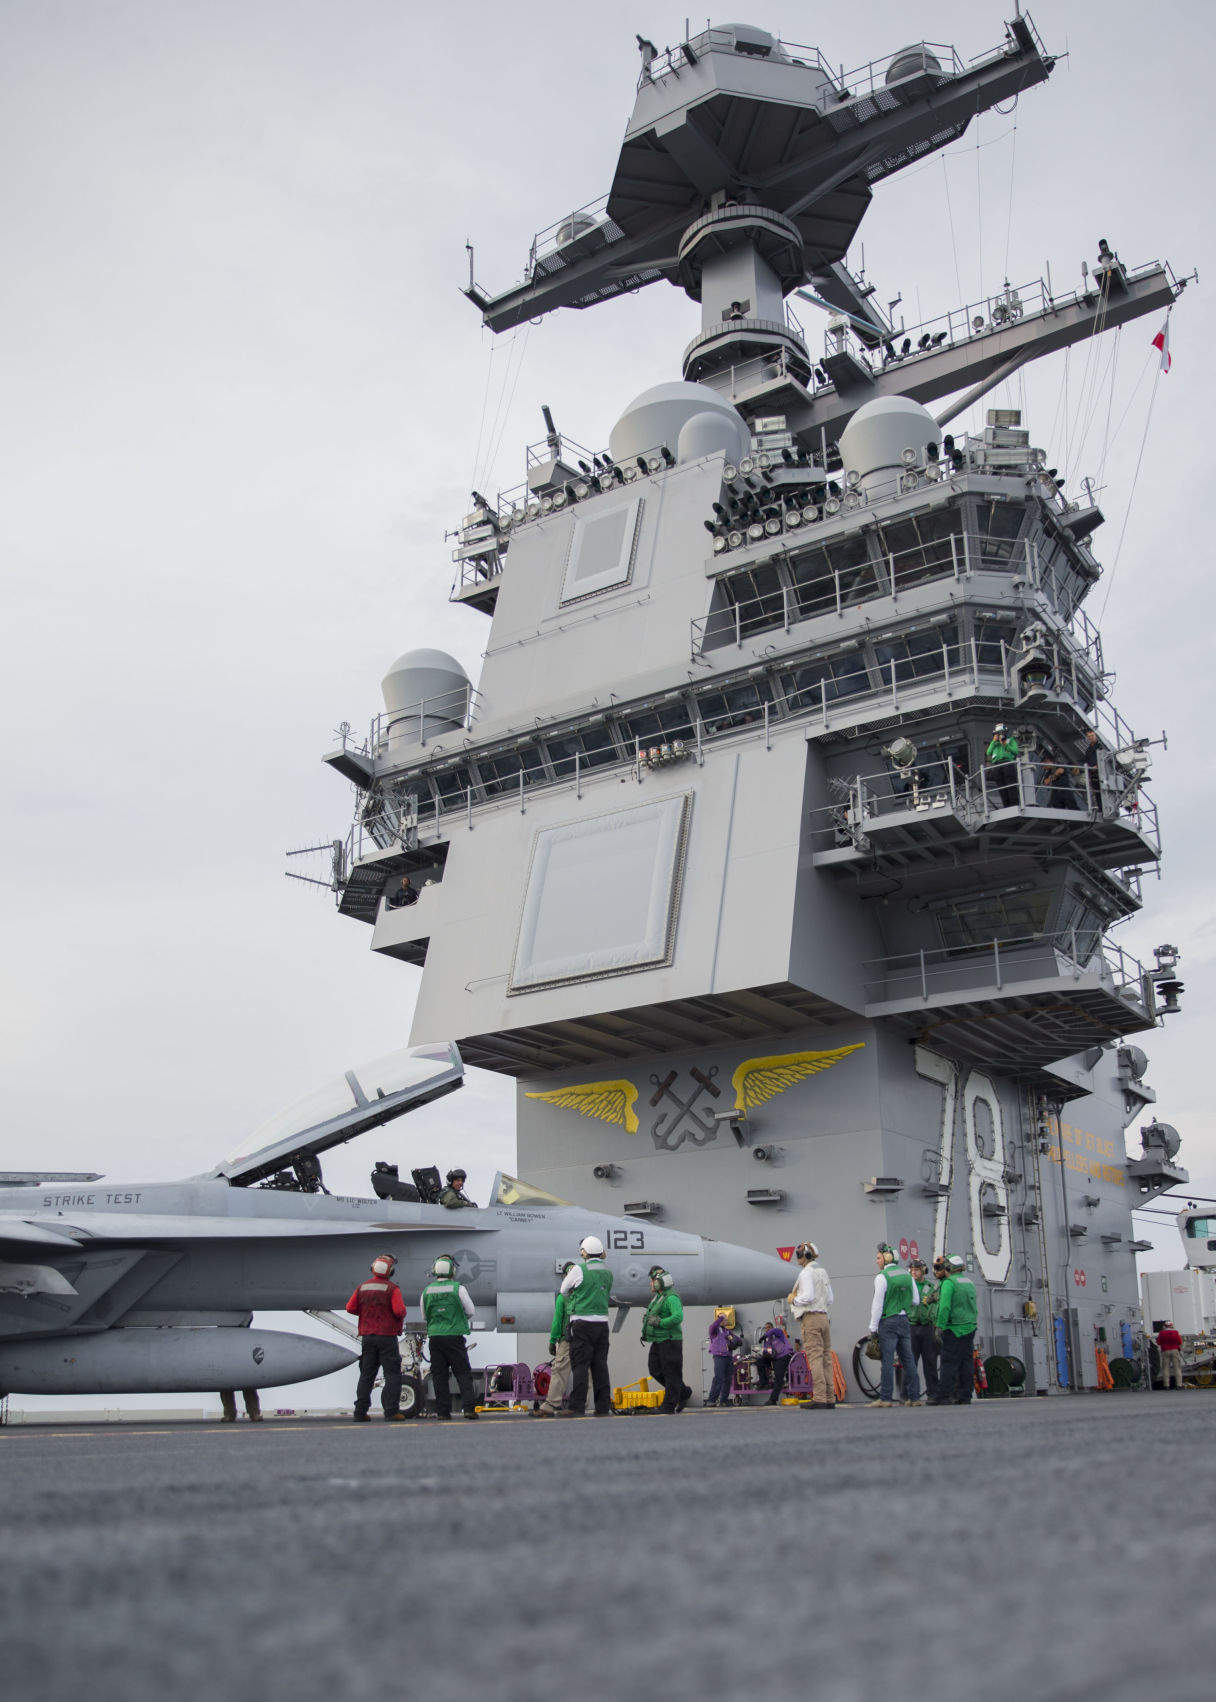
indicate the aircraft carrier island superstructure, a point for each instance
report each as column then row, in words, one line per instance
column 720, row 857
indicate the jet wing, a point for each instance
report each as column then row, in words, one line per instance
column 17, row 1231
column 365, row 1097
column 89, row 1228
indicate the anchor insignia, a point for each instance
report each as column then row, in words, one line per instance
column 671, row 1129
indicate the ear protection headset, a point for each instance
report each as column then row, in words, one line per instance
column 663, row 1280
column 806, row 1250
column 444, row 1266
column 384, row 1265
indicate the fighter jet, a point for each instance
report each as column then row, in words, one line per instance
column 138, row 1288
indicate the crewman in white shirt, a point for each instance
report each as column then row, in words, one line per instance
column 810, row 1298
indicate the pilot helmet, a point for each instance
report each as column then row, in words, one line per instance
column 591, row 1247
column 458, row 1175
column 444, row 1266
column 384, row 1264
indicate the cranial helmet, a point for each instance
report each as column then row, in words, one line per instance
column 661, row 1279
column 956, row 1262
column 806, row 1250
column 384, row 1264
column 591, row 1247
column 444, row 1266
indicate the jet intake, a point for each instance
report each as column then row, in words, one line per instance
column 180, row 1360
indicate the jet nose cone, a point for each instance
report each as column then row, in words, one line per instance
column 740, row 1274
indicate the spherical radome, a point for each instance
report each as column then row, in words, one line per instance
column 881, row 430
column 712, row 434
column 658, row 416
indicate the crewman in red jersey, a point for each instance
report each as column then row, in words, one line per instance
column 380, row 1308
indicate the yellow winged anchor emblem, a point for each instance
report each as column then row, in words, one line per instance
column 610, row 1101
column 758, row 1079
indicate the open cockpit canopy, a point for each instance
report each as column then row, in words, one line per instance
column 362, row 1099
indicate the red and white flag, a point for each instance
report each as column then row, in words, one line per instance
column 1162, row 342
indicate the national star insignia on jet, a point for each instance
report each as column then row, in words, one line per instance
column 758, row 1079
column 610, row 1101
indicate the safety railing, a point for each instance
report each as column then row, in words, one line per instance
column 594, row 471
column 837, row 588
column 571, row 236
column 480, row 570
column 998, row 965
column 456, row 708
column 996, row 312
column 863, row 80
column 937, row 785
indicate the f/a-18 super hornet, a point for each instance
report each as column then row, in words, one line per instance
column 150, row 1287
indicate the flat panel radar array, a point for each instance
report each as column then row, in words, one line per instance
column 601, row 551
column 601, row 896
column 777, row 848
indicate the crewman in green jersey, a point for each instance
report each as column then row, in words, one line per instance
column 449, row 1317
column 663, row 1332
column 559, row 1354
column 957, row 1316
column 895, row 1296
column 923, row 1319
column 587, row 1287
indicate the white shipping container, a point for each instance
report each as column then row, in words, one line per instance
column 1187, row 1299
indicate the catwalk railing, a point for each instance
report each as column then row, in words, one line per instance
column 936, row 785
column 1000, row 966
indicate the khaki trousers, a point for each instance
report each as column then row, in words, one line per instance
column 817, row 1345
column 559, row 1379
column 1171, row 1366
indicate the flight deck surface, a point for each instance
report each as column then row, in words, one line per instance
column 853, row 1554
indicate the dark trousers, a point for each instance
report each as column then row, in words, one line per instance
column 666, row 1365
column 450, row 1358
column 895, row 1337
column 379, row 1353
column 589, row 1356
column 924, row 1348
column 1004, row 779
column 719, row 1389
column 956, row 1379
column 781, row 1368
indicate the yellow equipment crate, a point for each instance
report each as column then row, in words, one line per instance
column 631, row 1396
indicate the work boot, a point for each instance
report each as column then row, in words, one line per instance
column 360, row 1418
column 880, row 1403
column 472, row 1414
column 394, row 1418
column 443, row 1415
column 255, row 1418
column 684, row 1400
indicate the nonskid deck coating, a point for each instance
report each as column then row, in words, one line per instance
column 851, row 1554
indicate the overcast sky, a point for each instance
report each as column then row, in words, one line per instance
column 243, row 400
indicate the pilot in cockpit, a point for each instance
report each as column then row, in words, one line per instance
column 454, row 1196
